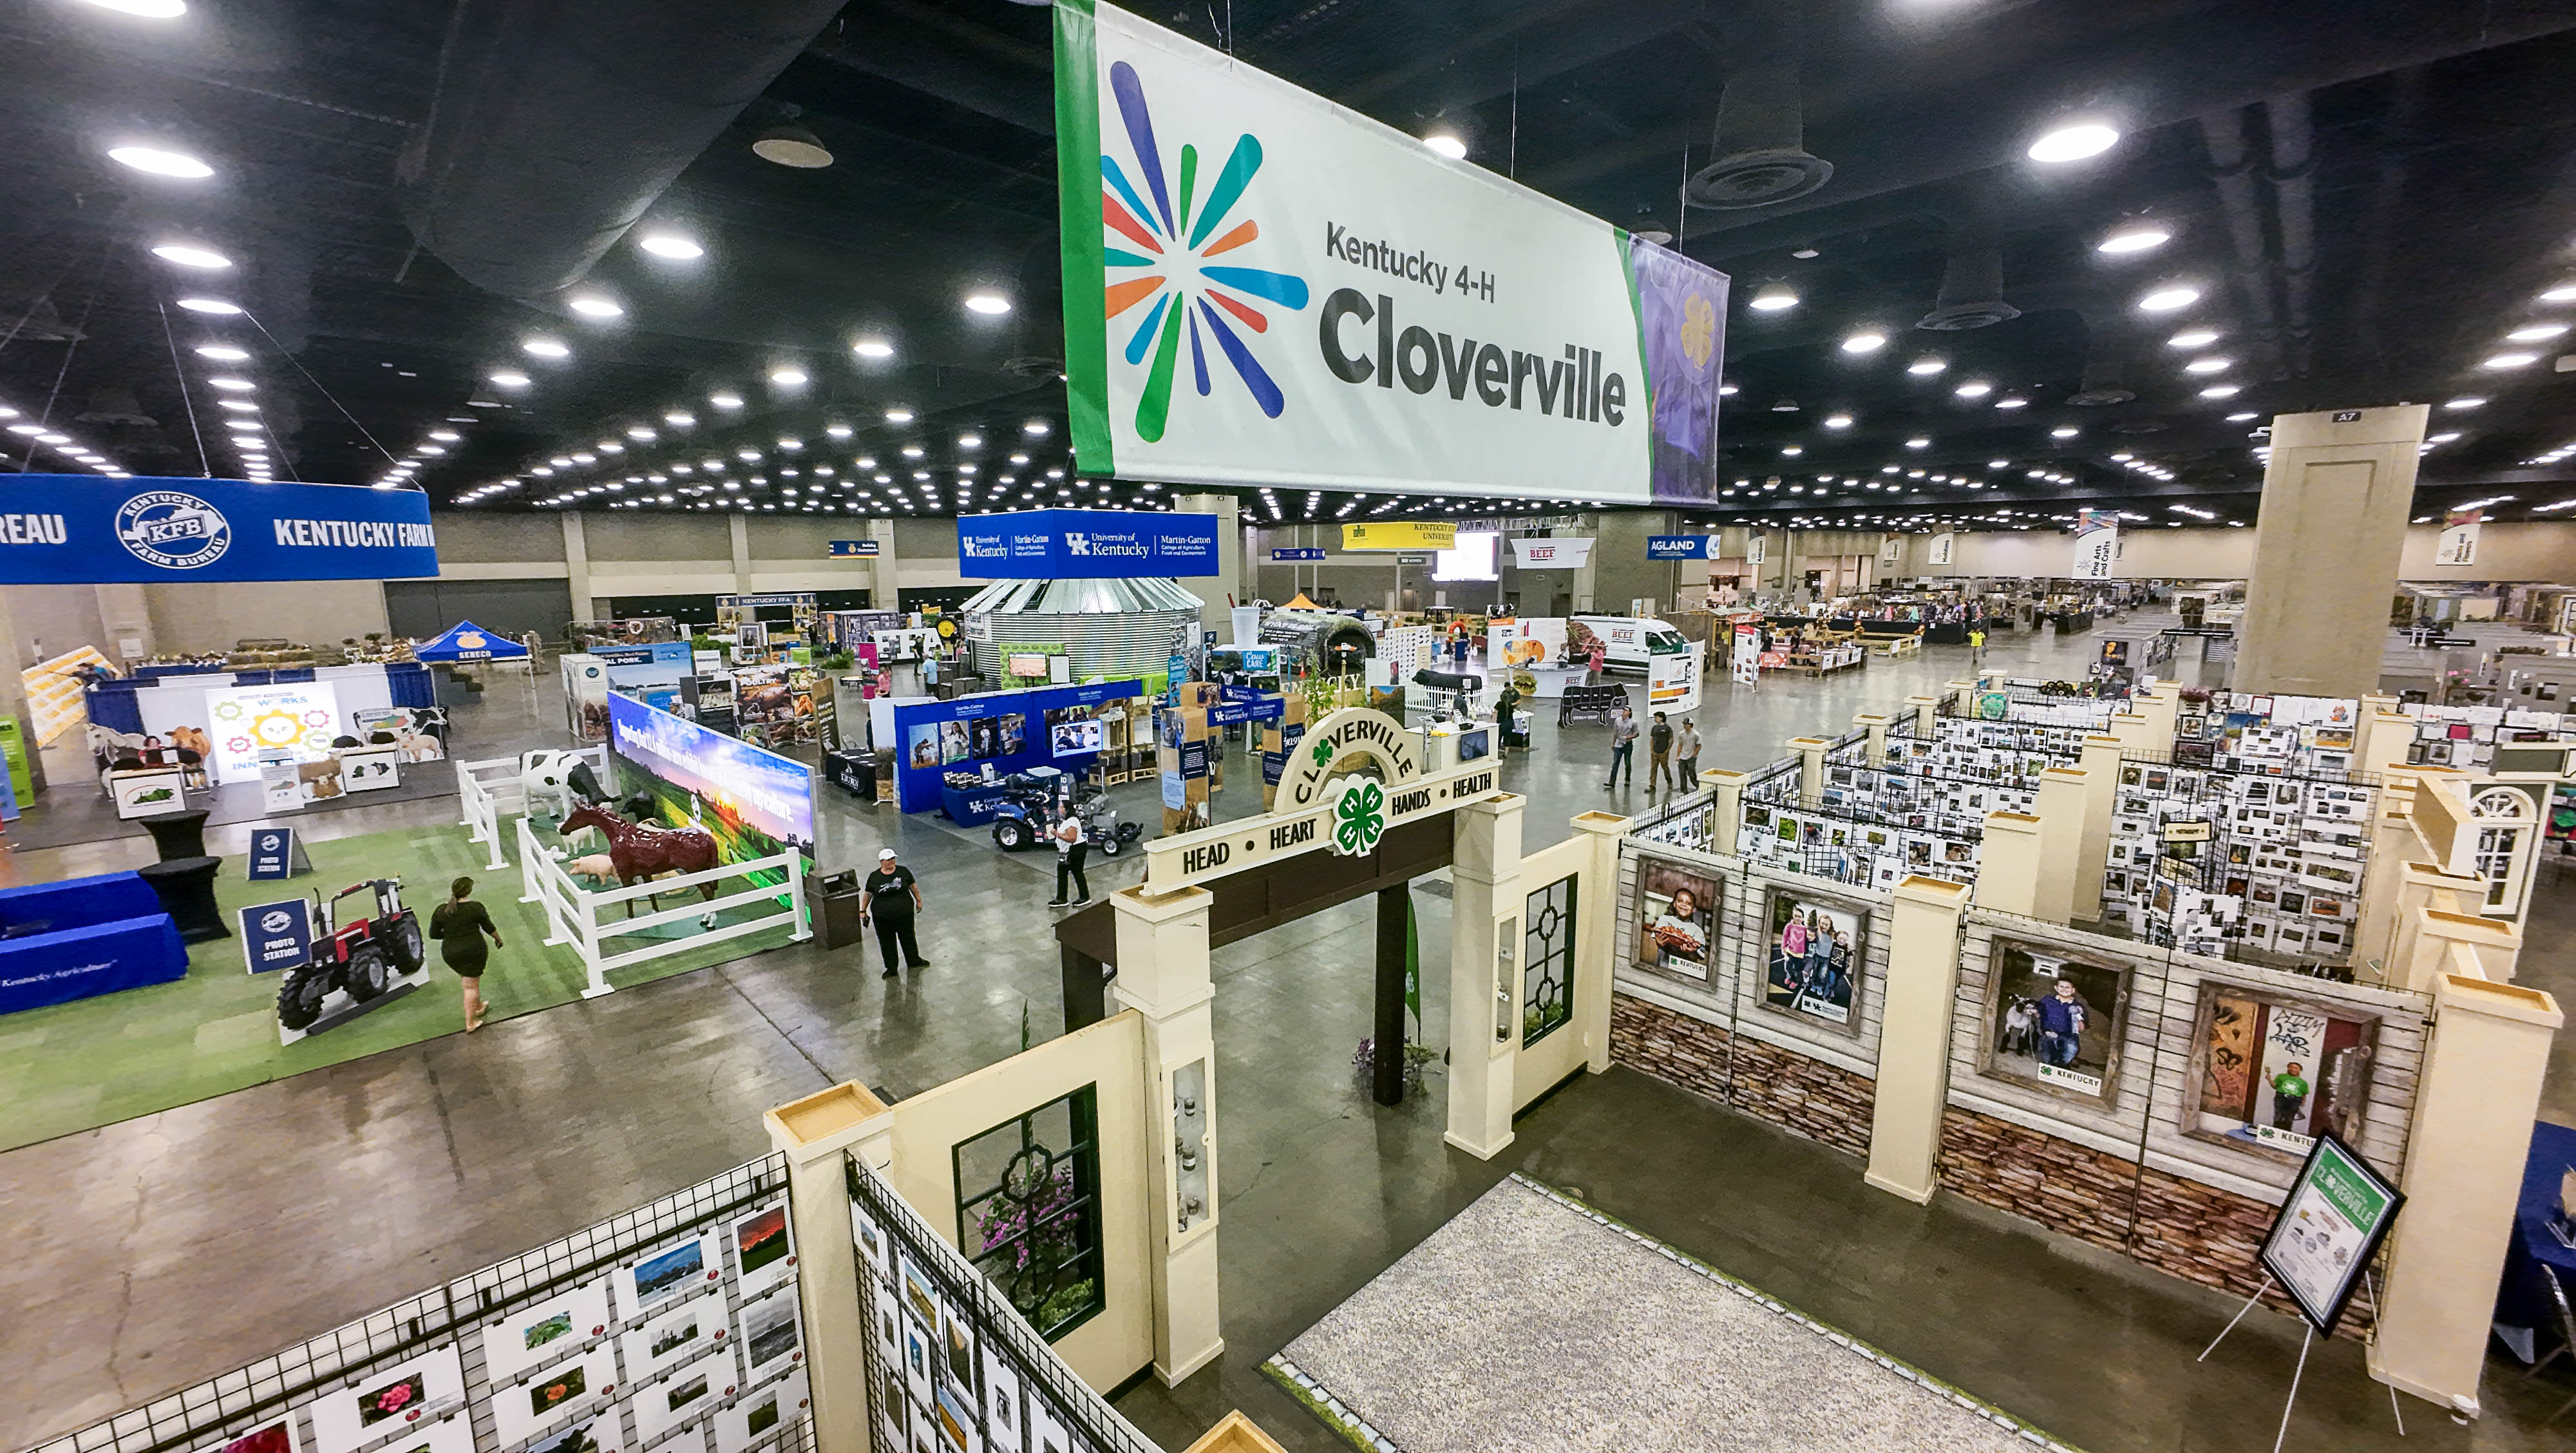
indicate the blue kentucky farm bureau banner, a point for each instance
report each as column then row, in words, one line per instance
column 80, row 529
column 1085, row 545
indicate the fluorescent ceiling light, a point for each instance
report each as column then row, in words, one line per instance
column 187, row 256
column 670, row 244
column 233, row 385
column 2134, row 237
column 220, row 353
column 2193, row 338
column 2074, row 143
column 1974, row 389
column 2220, row 391
column 1925, row 367
column 2511, row 360
column 871, row 348
column 787, row 375
column 1864, row 343
column 2536, row 332
column 595, row 307
column 509, row 378
column 2167, row 299
column 725, row 400
column 545, row 348
column 2209, row 365
column 160, row 162
column 1446, row 145
column 1772, row 297
column 209, row 305
column 991, row 305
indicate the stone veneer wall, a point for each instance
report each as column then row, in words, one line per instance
column 1800, row 1094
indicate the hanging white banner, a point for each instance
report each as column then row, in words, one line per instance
column 1264, row 288
column 2459, row 543
column 1891, row 550
column 1757, row 549
column 1550, row 554
column 1940, row 551
column 2097, row 544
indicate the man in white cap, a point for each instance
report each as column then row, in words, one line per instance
column 892, row 897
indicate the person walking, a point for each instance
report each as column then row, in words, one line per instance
column 893, row 896
column 1623, row 747
column 1686, row 753
column 1507, row 709
column 459, row 925
column 1659, row 754
column 1599, row 661
column 1070, row 848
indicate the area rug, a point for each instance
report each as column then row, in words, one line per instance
column 1533, row 1321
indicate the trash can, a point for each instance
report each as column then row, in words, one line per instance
column 834, row 899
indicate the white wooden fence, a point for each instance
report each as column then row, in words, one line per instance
column 490, row 788
column 582, row 919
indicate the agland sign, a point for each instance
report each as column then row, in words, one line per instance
column 1324, row 802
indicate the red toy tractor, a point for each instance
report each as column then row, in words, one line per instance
column 361, row 959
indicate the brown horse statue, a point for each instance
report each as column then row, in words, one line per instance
column 640, row 850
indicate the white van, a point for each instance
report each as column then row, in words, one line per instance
column 1630, row 642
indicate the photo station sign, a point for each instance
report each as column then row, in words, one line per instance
column 1264, row 288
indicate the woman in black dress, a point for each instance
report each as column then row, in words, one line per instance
column 459, row 925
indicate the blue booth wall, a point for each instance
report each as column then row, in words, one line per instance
column 112, row 704
column 917, row 789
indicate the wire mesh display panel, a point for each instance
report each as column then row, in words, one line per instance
column 2264, row 866
column 673, row 1327
column 2251, row 733
column 2082, row 705
column 951, row 1365
column 1849, row 841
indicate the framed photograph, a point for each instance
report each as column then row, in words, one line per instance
column 665, row 1272
column 2271, row 1071
column 954, row 744
column 679, row 1333
column 771, row 1335
column 277, row 1435
column 761, row 1412
column 1676, row 918
column 545, row 1398
column 539, row 1334
column 764, row 1252
column 2055, row 1022
column 693, row 1390
column 1003, row 1418
column 453, row 1434
column 385, row 1401
column 1813, row 950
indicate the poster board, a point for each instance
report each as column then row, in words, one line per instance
column 2337, row 1213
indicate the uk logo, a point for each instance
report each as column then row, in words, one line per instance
column 1178, row 284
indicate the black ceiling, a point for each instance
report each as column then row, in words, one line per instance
column 2367, row 194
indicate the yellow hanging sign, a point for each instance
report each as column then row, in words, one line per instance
column 1402, row 535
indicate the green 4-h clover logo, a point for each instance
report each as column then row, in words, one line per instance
column 1323, row 751
column 1359, row 819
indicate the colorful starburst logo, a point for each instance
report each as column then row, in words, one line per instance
column 1188, row 291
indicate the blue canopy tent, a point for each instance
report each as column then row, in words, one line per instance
column 466, row 641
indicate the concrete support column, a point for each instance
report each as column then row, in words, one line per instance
column 813, row 1133
column 2475, row 1099
column 1596, row 925
column 740, row 524
column 885, row 589
column 1810, row 752
column 576, row 552
column 13, row 692
column 2062, row 795
column 1875, row 723
column 2336, row 496
column 2101, row 762
column 1914, row 1037
column 124, row 616
column 1485, row 973
column 2008, row 864
column 1219, row 593
column 1163, row 975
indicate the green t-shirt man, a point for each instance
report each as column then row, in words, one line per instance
column 2289, row 1095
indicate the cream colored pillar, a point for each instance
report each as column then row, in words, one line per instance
column 2381, row 746
column 2160, row 706
column 1921, row 712
column 739, row 525
column 1216, row 594
column 885, row 587
column 576, row 553
column 2476, row 1096
column 1962, row 696
column 1163, row 975
column 1914, row 1037
column 2136, row 734
column 1485, row 973
column 1726, row 806
column 2433, row 943
column 2062, row 792
column 2337, row 491
column 2101, row 761
column 1596, row 920
column 813, row 1133
column 2008, row 864
column 1875, row 723
column 2393, row 901
column 1810, row 752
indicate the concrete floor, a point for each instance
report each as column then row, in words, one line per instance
column 177, row 1246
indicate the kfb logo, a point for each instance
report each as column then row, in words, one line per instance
column 172, row 530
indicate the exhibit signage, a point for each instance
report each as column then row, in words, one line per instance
column 276, row 935
column 1085, row 545
column 1757, row 549
column 2459, row 543
column 81, row 529
column 1939, row 554
column 1402, row 535
column 1287, row 553
column 727, row 779
column 2327, row 1230
column 861, row 548
column 1338, row 743
column 273, row 854
column 1681, row 547
column 1535, row 553
column 2097, row 544
column 1335, row 822
column 1262, row 287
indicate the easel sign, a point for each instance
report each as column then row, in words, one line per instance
column 2338, row 1211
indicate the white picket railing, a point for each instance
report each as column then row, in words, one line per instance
column 490, row 788
column 574, row 914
